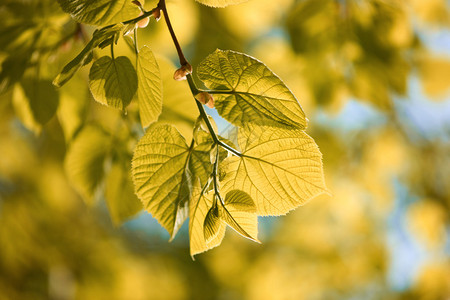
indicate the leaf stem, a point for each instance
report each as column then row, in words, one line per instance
column 143, row 16
column 112, row 51
column 217, row 91
column 162, row 6
column 205, row 118
column 135, row 42
column 192, row 86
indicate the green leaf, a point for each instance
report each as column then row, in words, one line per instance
column 249, row 91
column 100, row 12
column 84, row 162
column 164, row 169
column 220, row 3
column 113, row 81
column 280, row 169
column 35, row 102
column 240, row 214
column 85, row 56
column 149, row 91
column 207, row 221
column 212, row 224
column 199, row 207
column 119, row 193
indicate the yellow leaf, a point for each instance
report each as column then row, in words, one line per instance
column 280, row 169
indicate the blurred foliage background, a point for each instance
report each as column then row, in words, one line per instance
column 373, row 77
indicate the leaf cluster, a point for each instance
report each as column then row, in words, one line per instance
column 271, row 167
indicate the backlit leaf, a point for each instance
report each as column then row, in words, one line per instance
column 280, row 169
column 240, row 214
column 84, row 162
column 212, row 224
column 199, row 207
column 100, row 12
column 113, row 81
column 164, row 168
column 220, row 3
column 250, row 92
column 85, row 56
column 149, row 91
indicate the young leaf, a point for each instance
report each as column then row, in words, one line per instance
column 84, row 162
column 100, row 12
column 163, row 170
column 85, row 56
column 220, row 3
column 119, row 193
column 249, row 91
column 240, row 214
column 113, row 81
column 199, row 207
column 212, row 224
column 149, row 91
column 280, row 169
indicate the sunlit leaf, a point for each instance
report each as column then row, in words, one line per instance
column 149, row 91
column 240, row 214
column 212, row 224
column 250, row 92
column 85, row 56
column 84, row 162
column 220, row 3
column 35, row 102
column 164, row 169
column 199, row 207
column 113, row 81
column 280, row 169
column 119, row 193
column 100, row 12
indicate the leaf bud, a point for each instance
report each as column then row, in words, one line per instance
column 180, row 74
column 157, row 14
column 137, row 3
column 205, row 98
column 144, row 22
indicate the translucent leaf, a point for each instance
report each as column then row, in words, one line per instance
column 212, row 224
column 163, row 170
column 199, row 206
column 85, row 56
column 84, row 162
column 251, row 93
column 113, row 81
column 119, row 193
column 158, row 167
column 280, row 169
column 100, row 12
column 220, row 3
column 149, row 91
column 240, row 214
column 35, row 102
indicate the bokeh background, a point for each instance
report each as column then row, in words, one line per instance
column 373, row 77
